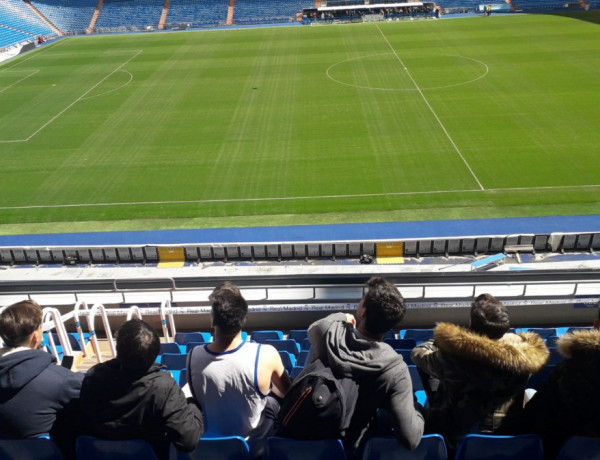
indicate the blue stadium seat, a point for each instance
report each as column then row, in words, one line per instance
column 420, row 335
column 390, row 335
column 294, row 449
column 174, row 361
column 35, row 448
column 288, row 345
column 555, row 356
column 182, row 338
column 305, row 345
column 406, row 355
column 538, row 379
column 580, row 447
column 494, row 447
column 431, row 447
column 191, row 345
column 417, row 384
column 295, row 371
column 92, row 448
column 298, row 335
column 169, row 347
column 288, row 360
column 225, row 448
column 182, row 377
column 399, row 344
column 263, row 336
column 543, row 332
column 551, row 341
column 301, row 359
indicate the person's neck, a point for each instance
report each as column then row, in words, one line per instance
column 223, row 343
column 369, row 335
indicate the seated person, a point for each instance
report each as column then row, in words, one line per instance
column 234, row 380
column 33, row 389
column 482, row 372
column 130, row 397
column 567, row 403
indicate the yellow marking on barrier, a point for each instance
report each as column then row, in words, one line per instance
column 170, row 257
column 390, row 253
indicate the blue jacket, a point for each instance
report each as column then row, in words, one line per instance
column 33, row 390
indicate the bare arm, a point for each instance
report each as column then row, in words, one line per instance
column 271, row 373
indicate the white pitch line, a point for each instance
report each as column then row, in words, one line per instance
column 19, row 81
column 432, row 111
column 292, row 198
column 72, row 103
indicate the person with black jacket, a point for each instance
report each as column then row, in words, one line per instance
column 131, row 396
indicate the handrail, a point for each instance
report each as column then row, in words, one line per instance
column 61, row 332
column 92, row 331
column 92, row 314
column 166, row 313
column 134, row 310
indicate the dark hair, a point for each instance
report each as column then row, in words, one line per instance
column 489, row 317
column 19, row 321
column 138, row 346
column 229, row 308
column 384, row 306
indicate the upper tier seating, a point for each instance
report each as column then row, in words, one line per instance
column 261, row 12
column 72, row 16
column 116, row 15
column 197, row 13
column 18, row 23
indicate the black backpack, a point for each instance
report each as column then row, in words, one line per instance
column 318, row 405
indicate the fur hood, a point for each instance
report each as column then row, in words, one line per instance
column 521, row 354
column 586, row 342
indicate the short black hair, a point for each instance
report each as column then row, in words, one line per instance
column 229, row 308
column 138, row 345
column 385, row 306
column 489, row 317
column 19, row 321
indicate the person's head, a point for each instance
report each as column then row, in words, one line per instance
column 381, row 308
column 489, row 317
column 21, row 324
column 138, row 346
column 229, row 309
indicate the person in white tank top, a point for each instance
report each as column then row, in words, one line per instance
column 236, row 382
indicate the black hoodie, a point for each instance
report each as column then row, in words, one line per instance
column 33, row 390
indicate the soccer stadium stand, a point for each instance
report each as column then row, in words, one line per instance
column 261, row 12
column 70, row 16
column 19, row 24
column 197, row 13
column 116, row 15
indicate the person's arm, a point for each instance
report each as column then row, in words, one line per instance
column 317, row 330
column 427, row 358
column 183, row 420
column 408, row 420
column 271, row 373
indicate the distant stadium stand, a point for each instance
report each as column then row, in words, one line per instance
column 197, row 13
column 72, row 16
column 119, row 16
column 261, row 12
column 19, row 24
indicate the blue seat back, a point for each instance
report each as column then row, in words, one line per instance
column 169, row 347
column 406, row 355
column 543, row 332
column 288, row 360
column 225, row 448
column 183, row 338
column 419, row 335
column 401, row 343
column 174, row 361
column 298, row 335
column 488, row 447
column 431, row 447
column 92, row 448
column 34, row 448
column 288, row 345
column 263, row 336
column 191, row 345
column 294, row 449
column 580, row 447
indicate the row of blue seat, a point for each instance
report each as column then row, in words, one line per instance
column 431, row 447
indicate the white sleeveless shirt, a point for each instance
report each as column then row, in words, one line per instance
column 226, row 386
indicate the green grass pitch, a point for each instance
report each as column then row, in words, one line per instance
column 461, row 118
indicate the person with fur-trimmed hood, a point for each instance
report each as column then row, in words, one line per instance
column 480, row 372
column 567, row 403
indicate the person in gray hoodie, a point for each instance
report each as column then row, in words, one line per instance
column 353, row 347
column 34, row 390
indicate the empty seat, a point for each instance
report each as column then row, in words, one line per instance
column 183, row 338
column 580, row 447
column 431, row 447
column 417, row 384
column 169, row 347
column 420, row 335
column 263, row 336
column 298, row 335
column 538, row 379
column 92, row 448
column 174, row 361
column 406, row 355
column 494, row 447
column 288, row 345
column 191, row 345
column 294, row 449
column 390, row 334
column 401, row 343
column 301, row 359
column 224, row 448
column 288, row 360
column 35, row 448
column 543, row 332
column 305, row 345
